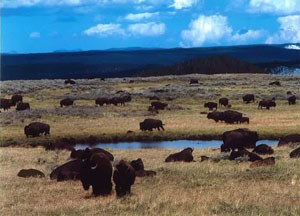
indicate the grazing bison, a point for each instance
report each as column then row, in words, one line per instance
column 67, row 171
column 244, row 153
column 97, row 172
column 87, row 153
column 70, row 81
column 150, row 124
column 22, row 106
column 291, row 138
column 66, row 102
column 263, row 149
column 248, row 98
column 34, row 129
column 244, row 120
column 194, row 81
column 5, row 104
column 223, row 102
column 295, row 153
column 138, row 166
column 230, row 116
column 217, row 116
column 277, row 83
column 120, row 100
column 101, row 101
column 124, row 177
column 239, row 139
column 152, row 110
column 211, row 105
column 159, row 105
column 264, row 162
column 16, row 98
column 292, row 100
column 25, row 173
column 266, row 103
column 185, row 155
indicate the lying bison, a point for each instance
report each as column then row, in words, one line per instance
column 138, row 166
column 159, row 105
column 70, row 81
column 263, row 162
column 67, row 171
column 223, row 102
column 266, row 103
column 292, row 100
column 150, row 124
column 211, row 105
column 22, row 106
column 295, row 153
column 289, row 139
column 16, row 98
column 5, row 104
column 194, row 81
column 277, row 83
column 66, row 102
column 185, row 155
column 124, row 177
column 239, row 139
column 97, row 172
column 248, row 98
column 87, row 153
column 244, row 153
column 26, row 173
column 263, row 149
column 35, row 129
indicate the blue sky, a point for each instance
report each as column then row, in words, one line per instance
column 30, row 26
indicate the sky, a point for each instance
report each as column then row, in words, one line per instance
column 34, row 26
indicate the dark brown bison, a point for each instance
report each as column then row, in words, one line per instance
column 87, row 153
column 152, row 110
column 217, row 116
column 16, row 98
column 97, row 172
column 277, row 83
column 35, row 129
column 295, row 153
column 292, row 100
column 25, row 173
column 244, row 153
column 239, row 139
column 138, row 166
column 194, row 81
column 66, row 102
column 22, row 106
column 264, row 162
column 101, row 101
column 120, row 100
column 211, row 105
column 159, row 105
column 263, row 149
column 185, row 155
column 67, row 171
column 291, row 138
column 223, row 102
column 244, row 120
column 70, row 81
column 124, row 177
column 5, row 104
column 150, row 124
column 230, row 116
column 248, row 98
column 266, row 103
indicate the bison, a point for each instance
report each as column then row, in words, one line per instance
column 264, row 162
column 248, row 98
column 223, row 102
column 66, row 102
column 244, row 153
column 70, row 81
column 244, row 120
column 101, row 101
column 124, row 177
column 266, row 103
column 159, row 105
column 22, row 106
column 292, row 100
column 25, row 173
column 263, row 149
column 231, row 116
column 194, row 81
column 277, row 83
column 185, row 155
column 211, row 105
column 291, row 138
column 239, row 139
column 295, row 153
column 87, row 153
column 217, row 116
column 67, row 171
column 97, row 172
column 138, row 166
column 16, row 98
column 34, row 129
column 150, row 124
column 5, row 104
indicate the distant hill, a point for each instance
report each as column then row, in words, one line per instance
column 134, row 61
column 206, row 65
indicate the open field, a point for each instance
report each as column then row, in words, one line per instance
column 85, row 122
column 196, row 188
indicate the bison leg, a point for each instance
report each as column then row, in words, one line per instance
column 162, row 127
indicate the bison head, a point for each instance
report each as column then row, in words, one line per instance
column 143, row 126
column 137, row 164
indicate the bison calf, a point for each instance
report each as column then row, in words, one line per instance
column 185, row 155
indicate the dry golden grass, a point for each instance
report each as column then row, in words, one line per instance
column 207, row 188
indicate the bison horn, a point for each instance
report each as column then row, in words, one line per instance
column 94, row 167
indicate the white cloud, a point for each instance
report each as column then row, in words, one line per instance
column 289, row 30
column 147, row 29
column 181, row 4
column 105, row 30
column 35, row 35
column 140, row 16
column 206, row 29
column 274, row 6
column 249, row 35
